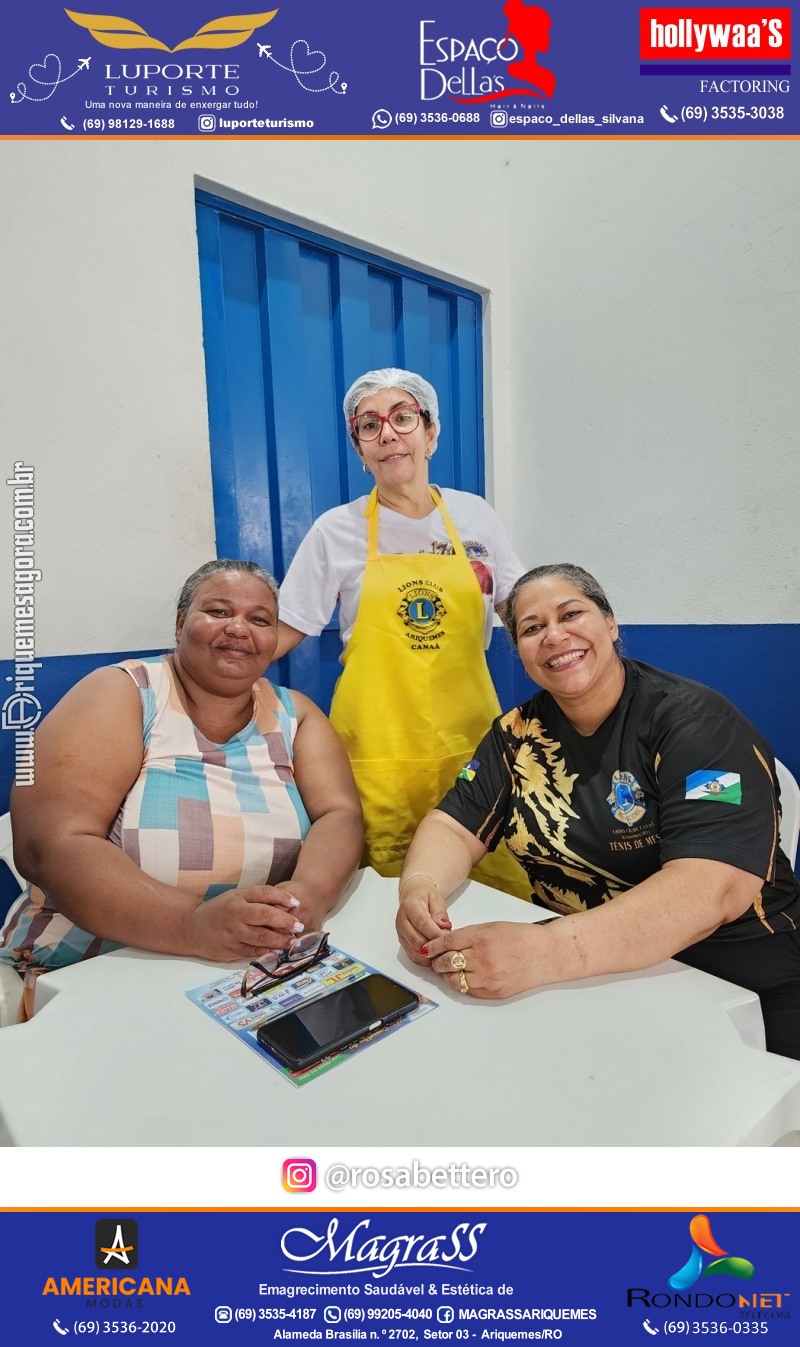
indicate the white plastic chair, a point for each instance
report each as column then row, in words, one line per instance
column 10, row 981
column 790, row 811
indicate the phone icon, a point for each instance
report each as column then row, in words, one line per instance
column 646, row 1324
column 68, row 126
column 665, row 113
column 59, row 1329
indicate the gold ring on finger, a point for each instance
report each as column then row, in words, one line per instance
column 464, row 984
column 457, row 961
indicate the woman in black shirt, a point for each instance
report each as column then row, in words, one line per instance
column 616, row 782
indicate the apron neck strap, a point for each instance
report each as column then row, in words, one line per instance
column 371, row 512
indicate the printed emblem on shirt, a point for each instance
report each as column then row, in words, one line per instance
column 626, row 798
column 469, row 769
column 478, row 556
column 726, row 787
column 422, row 612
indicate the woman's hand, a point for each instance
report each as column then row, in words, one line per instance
column 501, row 958
column 244, row 923
column 440, row 857
column 422, row 916
column 312, row 909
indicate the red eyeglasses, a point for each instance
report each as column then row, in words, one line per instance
column 404, row 418
column 279, row 964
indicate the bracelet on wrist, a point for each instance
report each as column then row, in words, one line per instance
column 416, row 874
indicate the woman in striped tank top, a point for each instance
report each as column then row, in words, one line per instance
column 184, row 804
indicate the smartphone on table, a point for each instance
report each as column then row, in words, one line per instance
column 312, row 1032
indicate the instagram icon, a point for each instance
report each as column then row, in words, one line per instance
column 299, row 1176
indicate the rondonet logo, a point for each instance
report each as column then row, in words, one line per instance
column 707, row 1258
column 360, row 1251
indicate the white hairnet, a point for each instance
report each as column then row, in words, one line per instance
column 377, row 379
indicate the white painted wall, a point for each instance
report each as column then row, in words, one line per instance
column 655, row 326
column 642, row 361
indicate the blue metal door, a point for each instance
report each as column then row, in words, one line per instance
column 290, row 318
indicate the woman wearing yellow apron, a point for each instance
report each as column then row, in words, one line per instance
column 416, row 572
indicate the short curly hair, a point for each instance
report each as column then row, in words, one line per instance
column 222, row 566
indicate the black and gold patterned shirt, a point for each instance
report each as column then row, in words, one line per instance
column 675, row 771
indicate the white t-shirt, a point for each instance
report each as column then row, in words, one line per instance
column 329, row 563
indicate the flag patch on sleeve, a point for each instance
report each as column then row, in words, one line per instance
column 469, row 769
column 723, row 786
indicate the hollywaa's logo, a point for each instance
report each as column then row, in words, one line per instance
column 462, row 67
column 230, row 31
column 377, row 1255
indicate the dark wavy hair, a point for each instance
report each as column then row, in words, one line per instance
column 590, row 588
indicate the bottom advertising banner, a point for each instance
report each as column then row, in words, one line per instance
column 379, row 1276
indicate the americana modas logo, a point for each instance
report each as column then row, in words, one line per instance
column 116, row 1243
column 113, row 31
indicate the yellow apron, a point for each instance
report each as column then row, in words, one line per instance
column 415, row 695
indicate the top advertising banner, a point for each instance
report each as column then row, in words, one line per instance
column 432, row 68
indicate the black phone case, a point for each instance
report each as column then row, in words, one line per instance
column 336, row 1045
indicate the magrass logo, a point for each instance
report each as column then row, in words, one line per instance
column 695, row 1267
column 360, row 1252
column 116, row 1243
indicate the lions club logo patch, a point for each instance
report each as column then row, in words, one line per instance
column 421, row 609
column 626, row 798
